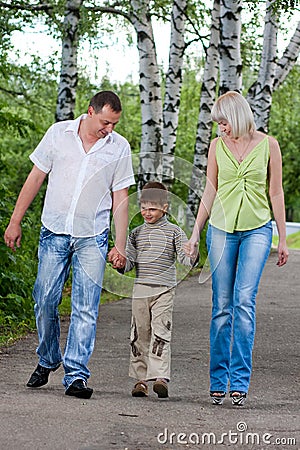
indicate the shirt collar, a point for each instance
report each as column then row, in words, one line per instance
column 74, row 126
column 159, row 223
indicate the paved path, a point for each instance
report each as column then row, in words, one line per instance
column 46, row 419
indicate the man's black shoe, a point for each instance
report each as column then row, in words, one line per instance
column 40, row 376
column 79, row 389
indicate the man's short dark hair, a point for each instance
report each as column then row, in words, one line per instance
column 106, row 98
column 154, row 192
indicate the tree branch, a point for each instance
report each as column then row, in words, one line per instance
column 24, row 95
column 17, row 6
column 109, row 10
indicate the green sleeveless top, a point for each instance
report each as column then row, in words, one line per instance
column 241, row 202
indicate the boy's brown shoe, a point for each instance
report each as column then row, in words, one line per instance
column 160, row 387
column 140, row 390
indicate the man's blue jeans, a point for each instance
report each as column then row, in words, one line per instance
column 236, row 262
column 58, row 253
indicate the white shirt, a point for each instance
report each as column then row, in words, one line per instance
column 78, row 198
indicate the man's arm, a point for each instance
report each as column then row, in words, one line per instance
column 117, row 255
column 31, row 187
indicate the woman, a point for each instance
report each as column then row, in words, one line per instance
column 242, row 162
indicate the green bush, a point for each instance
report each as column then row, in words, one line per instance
column 18, row 270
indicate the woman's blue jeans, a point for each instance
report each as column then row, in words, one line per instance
column 58, row 253
column 236, row 262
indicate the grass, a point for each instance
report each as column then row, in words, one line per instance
column 9, row 334
column 293, row 240
column 12, row 332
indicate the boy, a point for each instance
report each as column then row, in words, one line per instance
column 152, row 249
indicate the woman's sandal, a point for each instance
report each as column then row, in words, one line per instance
column 217, row 397
column 238, row 398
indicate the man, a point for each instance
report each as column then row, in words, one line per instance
column 90, row 170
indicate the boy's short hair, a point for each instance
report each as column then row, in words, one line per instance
column 154, row 192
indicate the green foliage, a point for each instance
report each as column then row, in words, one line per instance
column 187, row 123
column 287, row 6
column 278, row 6
column 130, row 122
column 17, row 269
column 189, row 112
column 26, row 102
column 284, row 125
column 251, row 39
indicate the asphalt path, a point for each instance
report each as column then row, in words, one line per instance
column 46, row 419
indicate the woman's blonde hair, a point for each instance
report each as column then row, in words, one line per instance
column 235, row 109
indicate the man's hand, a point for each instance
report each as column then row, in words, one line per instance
column 13, row 236
column 31, row 187
column 117, row 259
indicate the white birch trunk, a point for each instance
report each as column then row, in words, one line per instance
column 68, row 74
column 229, row 50
column 150, row 94
column 288, row 59
column 260, row 93
column 173, row 88
column 204, row 129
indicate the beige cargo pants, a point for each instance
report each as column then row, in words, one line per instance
column 151, row 328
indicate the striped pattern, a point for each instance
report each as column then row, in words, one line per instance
column 153, row 248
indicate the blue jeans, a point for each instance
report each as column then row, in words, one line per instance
column 236, row 262
column 58, row 253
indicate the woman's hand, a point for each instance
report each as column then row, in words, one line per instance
column 283, row 254
column 191, row 248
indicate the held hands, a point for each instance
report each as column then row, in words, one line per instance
column 191, row 248
column 117, row 258
column 13, row 236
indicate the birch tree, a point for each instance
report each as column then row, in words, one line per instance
column 69, row 67
column 150, row 93
column 173, row 88
column 158, row 134
column 260, row 93
column 272, row 72
column 137, row 13
column 230, row 49
column 288, row 60
column 204, row 128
